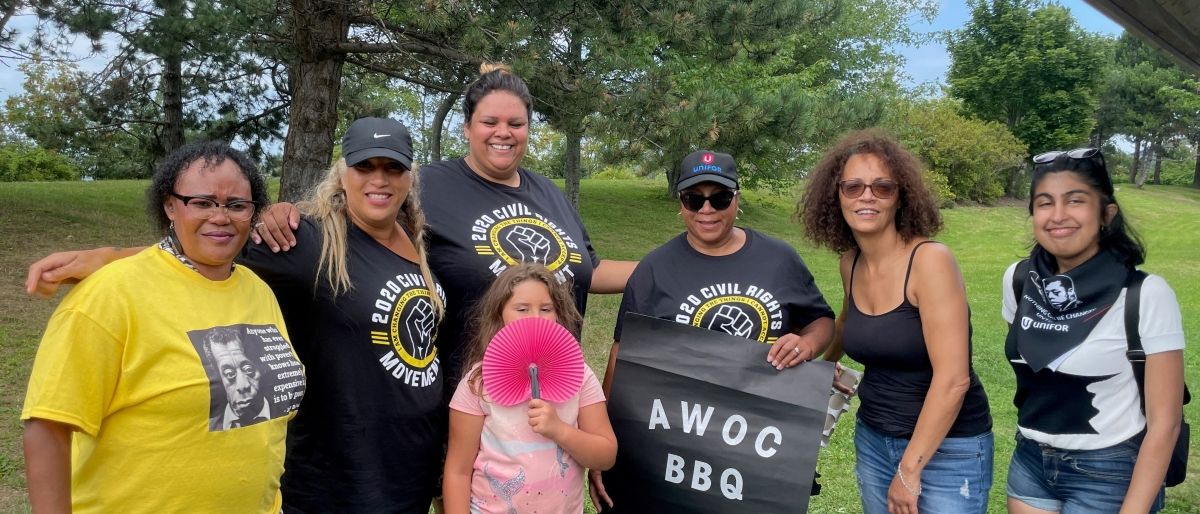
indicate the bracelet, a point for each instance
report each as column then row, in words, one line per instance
column 904, row 483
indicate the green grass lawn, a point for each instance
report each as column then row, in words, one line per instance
column 625, row 220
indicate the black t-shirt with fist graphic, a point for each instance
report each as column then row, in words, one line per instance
column 368, row 436
column 477, row 229
column 760, row 292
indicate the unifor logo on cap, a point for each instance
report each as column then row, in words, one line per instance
column 707, row 165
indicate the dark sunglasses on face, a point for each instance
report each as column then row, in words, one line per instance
column 1078, row 153
column 880, row 187
column 719, row 200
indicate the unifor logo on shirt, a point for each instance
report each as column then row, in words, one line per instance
column 405, row 326
column 515, row 233
column 745, row 311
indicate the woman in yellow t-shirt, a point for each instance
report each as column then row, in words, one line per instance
column 164, row 382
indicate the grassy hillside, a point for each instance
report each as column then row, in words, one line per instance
column 625, row 219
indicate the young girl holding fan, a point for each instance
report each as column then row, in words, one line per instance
column 528, row 457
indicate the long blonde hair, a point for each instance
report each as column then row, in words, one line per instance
column 326, row 205
column 488, row 317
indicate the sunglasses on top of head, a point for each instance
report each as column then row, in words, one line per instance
column 720, row 200
column 1078, row 153
column 881, row 187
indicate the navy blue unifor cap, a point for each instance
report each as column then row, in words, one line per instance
column 707, row 166
column 377, row 137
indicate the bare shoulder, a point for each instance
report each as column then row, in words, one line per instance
column 935, row 272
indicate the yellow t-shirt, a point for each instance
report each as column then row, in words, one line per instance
column 180, row 388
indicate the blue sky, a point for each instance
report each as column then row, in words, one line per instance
column 926, row 64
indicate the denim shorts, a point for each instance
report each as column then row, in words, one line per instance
column 956, row 480
column 1073, row 481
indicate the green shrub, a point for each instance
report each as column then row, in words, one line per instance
column 973, row 158
column 22, row 163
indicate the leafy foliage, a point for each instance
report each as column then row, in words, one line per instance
column 21, row 162
column 971, row 157
column 1030, row 67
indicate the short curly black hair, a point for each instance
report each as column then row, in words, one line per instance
column 213, row 153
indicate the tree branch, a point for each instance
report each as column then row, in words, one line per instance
column 355, row 47
column 407, row 78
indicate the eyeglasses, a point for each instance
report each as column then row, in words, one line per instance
column 205, row 208
column 719, row 200
column 880, row 187
column 1078, row 153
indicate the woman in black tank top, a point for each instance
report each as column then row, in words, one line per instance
column 923, row 439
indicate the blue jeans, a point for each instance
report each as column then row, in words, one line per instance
column 1073, row 481
column 956, row 480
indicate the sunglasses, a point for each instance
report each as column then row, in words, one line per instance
column 1078, row 153
column 719, row 200
column 880, row 187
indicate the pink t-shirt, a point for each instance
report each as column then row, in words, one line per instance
column 518, row 470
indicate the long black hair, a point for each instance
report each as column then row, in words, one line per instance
column 1115, row 236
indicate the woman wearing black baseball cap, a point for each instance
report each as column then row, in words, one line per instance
column 713, row 276
column 486, row 213
column 362, row 308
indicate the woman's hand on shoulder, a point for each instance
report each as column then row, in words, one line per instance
column 276, row 227
column 59, row 268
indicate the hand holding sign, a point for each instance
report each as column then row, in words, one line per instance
column 705, row 423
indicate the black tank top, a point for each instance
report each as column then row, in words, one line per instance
column 898, row 372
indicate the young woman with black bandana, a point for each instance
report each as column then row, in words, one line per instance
column 1083, row 443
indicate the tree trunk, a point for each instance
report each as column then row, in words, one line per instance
column 172, row 83
column 315, row 80
column 172, row 91
column 1196, row 174
column 1158, row 158
column 439, row 120
column 1137, row 159
column 571, row 140
column 573, row 129
column 673, row 177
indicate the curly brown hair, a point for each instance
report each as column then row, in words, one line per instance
column 489, row 312
column 820, row 208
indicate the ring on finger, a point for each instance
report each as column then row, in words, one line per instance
column 796, row 350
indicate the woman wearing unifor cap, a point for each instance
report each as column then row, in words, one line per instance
column 713, row 254
column 359, row 302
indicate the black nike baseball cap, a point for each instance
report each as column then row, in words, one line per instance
column 377, row 137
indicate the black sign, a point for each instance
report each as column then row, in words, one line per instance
column 705, row 424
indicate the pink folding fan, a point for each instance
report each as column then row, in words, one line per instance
column 532, row 358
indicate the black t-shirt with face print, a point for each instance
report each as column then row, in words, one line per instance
column 477, row 229
column 369, row 433
column 760, row 292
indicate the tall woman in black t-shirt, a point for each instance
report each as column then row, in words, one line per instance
column 923, row 437
column 485, row 213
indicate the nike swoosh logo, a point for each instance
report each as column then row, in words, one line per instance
column 377, row 136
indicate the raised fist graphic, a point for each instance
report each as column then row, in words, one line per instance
column 529, row 244
column 419, row 322
column 732, row 321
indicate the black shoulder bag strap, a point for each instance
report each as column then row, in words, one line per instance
column 1177, row 467
column 1135, row 353
column 1018, row 279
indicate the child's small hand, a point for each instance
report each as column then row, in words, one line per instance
column 544, row 419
